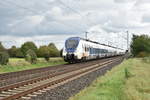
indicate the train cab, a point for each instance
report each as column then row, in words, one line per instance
column 70, row 49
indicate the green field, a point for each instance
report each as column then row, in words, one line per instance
column 128, row 81
column 18, row 64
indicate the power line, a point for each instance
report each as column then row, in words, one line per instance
column 89, row 22
column 69, row 7
column 22, row 7
column 75, row 11
column 33, row 11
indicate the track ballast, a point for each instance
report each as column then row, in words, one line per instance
column 35, row 86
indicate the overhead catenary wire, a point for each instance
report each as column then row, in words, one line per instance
column 73, row 10
column 22, row 7
column 69, row 7
column 36, row 12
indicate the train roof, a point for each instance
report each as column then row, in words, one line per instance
column 79, row 38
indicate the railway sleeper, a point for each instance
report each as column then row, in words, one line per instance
column 26, row 98
column 54, row 82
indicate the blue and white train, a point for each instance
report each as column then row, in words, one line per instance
column 79, row 49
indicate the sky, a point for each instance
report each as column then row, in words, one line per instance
column 45, row 21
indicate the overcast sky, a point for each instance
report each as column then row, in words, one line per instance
column 44, row 21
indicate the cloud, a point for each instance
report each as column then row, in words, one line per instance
column 25, row 25
column 9, row 41
column 142, row 2
column 96, row 33
column 146, row 18
column 21, row 19
column 123, row 1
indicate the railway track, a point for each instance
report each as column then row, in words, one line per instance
column 33, row 87
column 15, row 77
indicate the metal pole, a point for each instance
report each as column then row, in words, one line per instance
column 86, row 35
column 128, row 40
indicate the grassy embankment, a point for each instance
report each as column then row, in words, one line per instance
column 128, row 81
column 18, row 64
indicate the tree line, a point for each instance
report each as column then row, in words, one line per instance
column 140, row 46
column 29, row 51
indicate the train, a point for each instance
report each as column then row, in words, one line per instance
column 78, row 49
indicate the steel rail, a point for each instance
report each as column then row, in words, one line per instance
column 4, row 88
column 10, row 75
column 17, row 77
column 45, row 85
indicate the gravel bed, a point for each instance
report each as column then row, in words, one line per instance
column 71, row 88
column 15, row 77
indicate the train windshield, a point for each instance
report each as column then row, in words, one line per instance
column 71, row 43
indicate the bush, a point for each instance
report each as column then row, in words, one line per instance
column 46, row 57
column 140, row 45
column 44, row 51
column 31, row 56
column 27, row 46
column 142, row 54
column 4, row 58
column 127, row 73
column 19, row 53
column 2, row 49
column 54, row 52
column 12, row 51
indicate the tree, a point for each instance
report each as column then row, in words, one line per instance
column 19, row 53
column 28, row 45
column 61, row 52
column 12, row 51
column 44, row 51
column 52, row 45
column 2, row 47
column 4, row 58
column 54, row 52
column 140, row 45
column 31, row 56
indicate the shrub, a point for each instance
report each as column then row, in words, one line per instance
column 2, row 49
column 19, row 53
column 27, row 46
column 61, row 53
column 54, row 52
column 44, row 51
column 4, row 58
column 12, row 51
column 142, row 54
column 127, row 73
column 140, row 45
column 46, row 57
column 31, row 56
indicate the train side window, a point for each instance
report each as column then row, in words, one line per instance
column 91, row 51
column 95, row 50
column 99, row 50
column 105, row 51
column 102, row 51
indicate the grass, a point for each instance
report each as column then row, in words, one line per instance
column 128, row 81
column 18, row 64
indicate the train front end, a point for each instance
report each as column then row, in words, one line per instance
column 70, row 49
